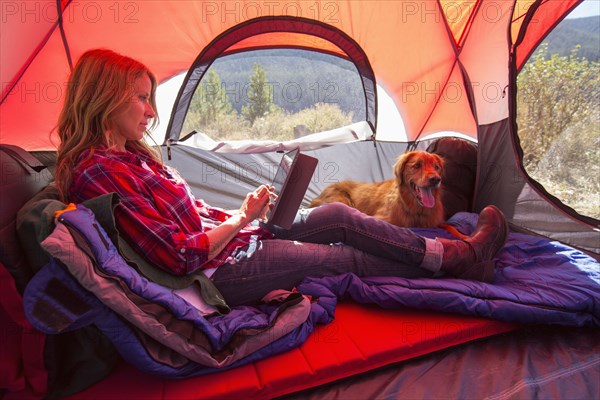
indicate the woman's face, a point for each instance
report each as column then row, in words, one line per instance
column 131, row 119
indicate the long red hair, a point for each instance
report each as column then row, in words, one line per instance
column 100, row 83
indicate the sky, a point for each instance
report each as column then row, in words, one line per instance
column 586, row 9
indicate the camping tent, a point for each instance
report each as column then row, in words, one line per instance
column 456, row 81
column 448, row 65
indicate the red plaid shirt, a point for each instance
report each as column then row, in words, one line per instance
column 158, row 214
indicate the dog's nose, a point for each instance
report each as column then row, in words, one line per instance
column 435, row 180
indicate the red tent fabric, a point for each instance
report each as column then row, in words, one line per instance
column 445, row 63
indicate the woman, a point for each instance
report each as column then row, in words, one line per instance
column 110, row 102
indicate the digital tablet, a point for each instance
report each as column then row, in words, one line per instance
column 291, row 180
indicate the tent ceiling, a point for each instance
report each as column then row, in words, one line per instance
column 422, row 52
column 286, row 39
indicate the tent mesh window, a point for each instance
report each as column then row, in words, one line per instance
column 278, row 94
column 559, row 123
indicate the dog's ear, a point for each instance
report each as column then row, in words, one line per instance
column 440, row 161
column 399, row 166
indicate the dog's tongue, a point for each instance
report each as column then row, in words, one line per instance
column 427, row 197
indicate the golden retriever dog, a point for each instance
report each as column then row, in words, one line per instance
column 412, row 199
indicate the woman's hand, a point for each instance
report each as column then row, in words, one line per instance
column 257, row 203
column 254, row 206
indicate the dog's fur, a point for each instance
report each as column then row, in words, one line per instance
column 400, row 200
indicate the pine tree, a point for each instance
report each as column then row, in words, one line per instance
column 260, row 95
column 210, row 100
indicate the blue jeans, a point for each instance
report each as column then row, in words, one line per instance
column 332, row 239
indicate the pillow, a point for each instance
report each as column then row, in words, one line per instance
column 460, row 171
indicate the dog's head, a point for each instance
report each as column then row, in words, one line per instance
column 421, row 173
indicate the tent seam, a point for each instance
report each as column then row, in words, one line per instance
column 513, row 71
column 34, row 55
column 63, row 34
column 457, row 51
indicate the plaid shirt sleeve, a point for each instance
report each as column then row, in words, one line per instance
column 147, row 215
column 215, row 213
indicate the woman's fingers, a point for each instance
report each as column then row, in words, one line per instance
column 266, row 190
column 258, row 203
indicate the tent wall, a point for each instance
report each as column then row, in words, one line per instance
column 532, row 24
column 269, row 26
column 224, row 179
column 428, row 55
column 502, row 181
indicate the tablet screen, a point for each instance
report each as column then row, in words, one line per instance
column 283, row 171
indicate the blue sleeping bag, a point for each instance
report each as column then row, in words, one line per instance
column 537, row 282
column 56, row 302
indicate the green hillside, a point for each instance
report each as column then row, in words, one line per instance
column 299, row 79
column 578, row 31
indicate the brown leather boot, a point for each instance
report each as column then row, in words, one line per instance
column 473, row 258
